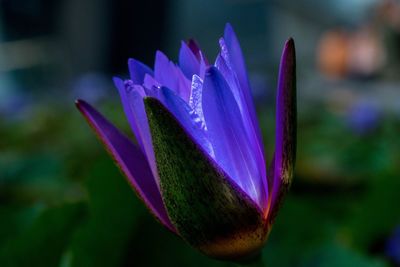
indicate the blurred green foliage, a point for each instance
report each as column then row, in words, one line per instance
column 64, row 203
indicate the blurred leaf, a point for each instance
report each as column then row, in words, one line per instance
column 114, row 212
column 303, row 223
column 152, row 245
column 14, row 219
column 43, row 243
column 375, row 215
column 334, row 255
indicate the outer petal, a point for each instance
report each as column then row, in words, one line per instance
column 137, row 71
column 129, row 159
column 226, row 223
column 230, row 143
column 286, row 124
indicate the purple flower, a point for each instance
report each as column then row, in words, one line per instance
column 199, row 163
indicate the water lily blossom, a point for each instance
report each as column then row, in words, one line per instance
column 199, row 163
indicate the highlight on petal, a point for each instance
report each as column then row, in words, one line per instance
column 207, row 209
column 130, row 160
column 225, row 130
column 196, row 96
column 236, row 61
column 282, row 166
column 187, row 117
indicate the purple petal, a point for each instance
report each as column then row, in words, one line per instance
column 188, row 62
column 129, row 159
column 169, row 75
column 128, row 112
column 136, row 106
column 238, row 93
column 194, row 47
column 286, row 123
column 227, row 134
column 236, row 62
column 137, row 71
column 192, row 44
column 149, row 82
column 132, row 102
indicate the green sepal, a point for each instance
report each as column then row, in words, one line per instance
column 208, row 210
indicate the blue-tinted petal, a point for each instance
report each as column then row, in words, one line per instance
column 238, row 93
column 132, row 102
column 234, row 56
column 127, row 109
column 186, row 116
column 188, row 62
column 137, row 110
column 149, row 82
column 137, row 71
column 130, row 160
column 228, row 137
column 169, row 75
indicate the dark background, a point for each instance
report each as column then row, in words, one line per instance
column 64, row 203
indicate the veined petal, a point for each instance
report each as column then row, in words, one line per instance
column 233, row 55
column 231, row 79
column 188, row 62
column 130, row 160
column 228, row 137
column 137, row 71
column 208, row 210
column 286, row 123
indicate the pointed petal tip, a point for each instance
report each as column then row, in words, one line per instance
column 81, row 105
column 290, row 41
column 228, row 27
column 159, row 53
column 289, row 47
column 132, row 61
column 116, row 79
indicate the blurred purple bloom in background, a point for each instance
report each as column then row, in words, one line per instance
column 363, row 117
column 199, row 165
column 393, row 246
column 91, row 86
